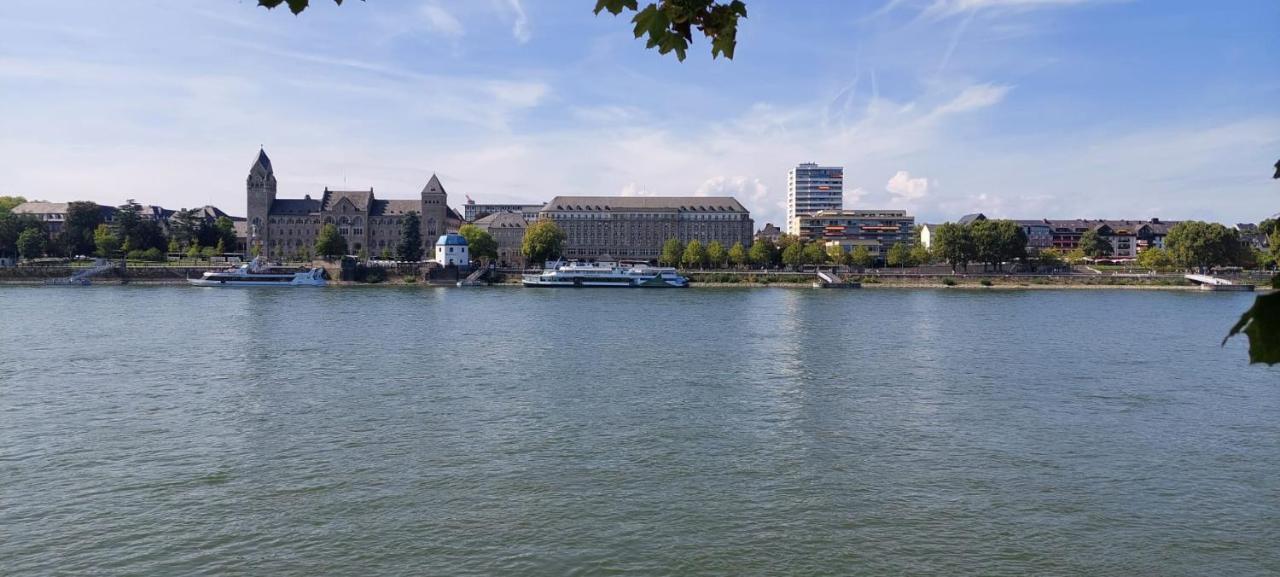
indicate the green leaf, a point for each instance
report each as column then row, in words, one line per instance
column 1261, row 323
column 615, row 6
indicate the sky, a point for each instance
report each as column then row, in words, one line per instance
column 1015, row 108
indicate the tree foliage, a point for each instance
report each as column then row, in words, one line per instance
column 899, row 255
column 695, row 256
column 83, row 219
column 330, row 243
column 762, row 252
column 410, row 246
column 106, row 241
column 11, row 227
column 954, row 245
column 737, row 255
column 669, row 24
column 480, row 244
column 814, row 253
column 31, row 243
column 793, row 255
column 1261, row 323
column 672, row 252
column 8, row 202
column 1200, row 245
column 1093, row 245
column 716, row 254
column 543, row 241
column 861, row 257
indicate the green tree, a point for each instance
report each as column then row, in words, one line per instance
column 899, row 255
column 106, row 241
column 31, row 243
column 793, row 255
column 716, row 254
column 954, row 245
column 920, row 255
column 8, row 202
column 185, row 227
column 193, row 251
column 330, row 244
column 410, row 247
column 386, row 254
column 363, row 255
column 761, row 253
column 1050, row 258
column 83, row 219
column 1094, row 246
column 861, row 257
column 11, row 227
column 221, row 248
column 995, row 242
column 543, row 241
column 672, row 252
column 226, row 229
column 737, row 255
column 1155, row 258
column 838, row 255
column 480, row 244
column 813, row 254
column 694, row 255
column 1200, row 245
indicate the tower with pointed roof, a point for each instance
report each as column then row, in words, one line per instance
column 435, row 213
column 261, row 192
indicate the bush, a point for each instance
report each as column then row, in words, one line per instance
column 949, row 282
column 985, row 282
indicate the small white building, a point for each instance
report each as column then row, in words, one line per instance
column 451, row 249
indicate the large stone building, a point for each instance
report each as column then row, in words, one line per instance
column 282, row 227
column 635, row 227
column 507, row 230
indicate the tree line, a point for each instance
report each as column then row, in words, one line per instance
column 85, row 232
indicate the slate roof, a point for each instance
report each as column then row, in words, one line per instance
column 360, row 198
column 972, row 218
column 676, row 203
column 41, row 208
column 502, row 220
column 433, row 186
column 394, row 207
column 295, row 206
column 453, row 239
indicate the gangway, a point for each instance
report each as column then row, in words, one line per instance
column 81, row 278
column 1213, row 283
column 831, row 280
column 473, row 279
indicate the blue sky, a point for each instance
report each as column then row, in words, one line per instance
column 1018, row 108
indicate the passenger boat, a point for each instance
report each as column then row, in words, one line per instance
column 256, row 273
column 605, row 274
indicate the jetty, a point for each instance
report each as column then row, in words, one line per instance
column 829, row 279
column 1211, row 283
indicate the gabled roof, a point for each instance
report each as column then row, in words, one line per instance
column 359, row 198
column 262, row 165
column 502, row 220
column 433, row 186
column 972, row 218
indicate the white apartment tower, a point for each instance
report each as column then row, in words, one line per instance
column 811, row 188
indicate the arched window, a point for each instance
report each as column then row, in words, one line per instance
column 343, row 221
column 357, row 221
column 431, row 227
column 257, row 221
column 328, row 220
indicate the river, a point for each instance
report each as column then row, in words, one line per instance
column 508, row 431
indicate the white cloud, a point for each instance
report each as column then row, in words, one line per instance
column 942, row 8
column 905, row 188
column 751, row 192
column 519, row 20
column 441, row 21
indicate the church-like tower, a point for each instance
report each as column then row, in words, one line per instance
column 261, row 188
column 435, row 213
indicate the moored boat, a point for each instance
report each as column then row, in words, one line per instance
column 256, row 273
column 605, row 274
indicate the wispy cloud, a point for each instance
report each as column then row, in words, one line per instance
column 441, row 21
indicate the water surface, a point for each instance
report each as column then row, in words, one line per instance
column 180, row 431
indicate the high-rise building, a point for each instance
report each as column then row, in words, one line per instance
column 811, row 188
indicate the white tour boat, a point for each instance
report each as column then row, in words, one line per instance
column 605, row 274
column 256, row 273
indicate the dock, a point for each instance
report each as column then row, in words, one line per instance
column 1211, row 283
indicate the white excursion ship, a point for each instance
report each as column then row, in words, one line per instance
column 256, row 273
column 605, row 274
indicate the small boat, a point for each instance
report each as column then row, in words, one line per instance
column 257, row 273
column 605, row 274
